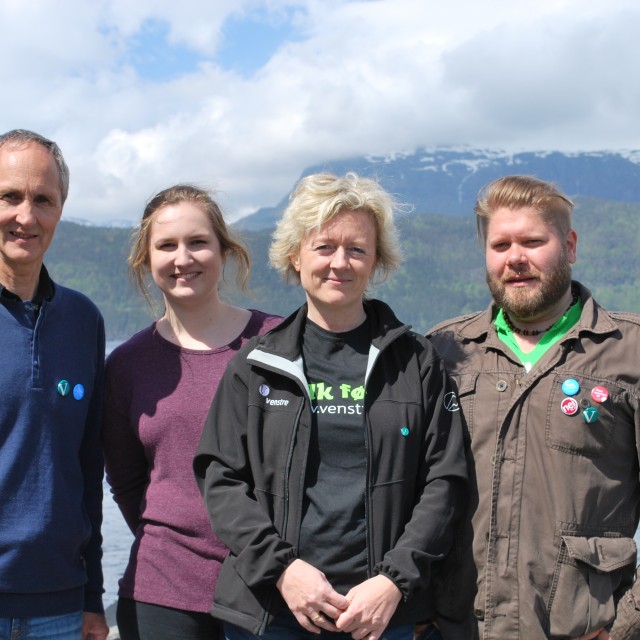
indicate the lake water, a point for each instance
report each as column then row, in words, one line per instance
column 117, row 540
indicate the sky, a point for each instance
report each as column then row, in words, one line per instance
column 240, row 96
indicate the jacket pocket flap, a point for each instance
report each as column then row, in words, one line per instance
column 603, row 554
column 466, row 383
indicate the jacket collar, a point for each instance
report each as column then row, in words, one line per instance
column 284, row 340
column 594, row 319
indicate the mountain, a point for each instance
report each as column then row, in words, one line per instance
column 447, row 181
column 93, row 260
column 442, row 274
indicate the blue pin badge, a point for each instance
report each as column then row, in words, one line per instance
column 570, row 387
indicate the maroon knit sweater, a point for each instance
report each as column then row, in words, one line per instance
column 157, row 398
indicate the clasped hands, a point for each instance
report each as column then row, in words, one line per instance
column 364, row 611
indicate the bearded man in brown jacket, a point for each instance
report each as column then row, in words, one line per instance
column 548, row 385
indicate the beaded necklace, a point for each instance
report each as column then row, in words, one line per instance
column 535, row 332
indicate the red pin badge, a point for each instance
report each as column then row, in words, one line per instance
column 599, row 394
column 570, row 406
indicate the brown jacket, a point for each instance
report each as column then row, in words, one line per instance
column 555, row 500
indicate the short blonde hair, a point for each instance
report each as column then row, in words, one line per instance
column 517, row 192
column 139, row 255
column 316, row 199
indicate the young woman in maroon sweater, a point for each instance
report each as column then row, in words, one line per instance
column 159, row 387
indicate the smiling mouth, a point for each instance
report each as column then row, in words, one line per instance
column 520, row 279
column 185, row 276
column 23, row 236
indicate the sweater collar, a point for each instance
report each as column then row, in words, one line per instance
column 44, row 291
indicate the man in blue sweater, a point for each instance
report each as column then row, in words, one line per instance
column 52, row 346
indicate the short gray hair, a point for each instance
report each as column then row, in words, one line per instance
column 21, row 137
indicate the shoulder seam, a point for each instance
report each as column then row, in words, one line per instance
column 625, row 315
column 445, row 324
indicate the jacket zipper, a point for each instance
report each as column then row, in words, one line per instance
column 269, row 603
column 368, row 439
column 367, row 496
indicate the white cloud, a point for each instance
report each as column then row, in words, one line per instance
column 360, row 77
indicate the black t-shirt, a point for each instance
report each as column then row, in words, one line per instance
column 333, row 534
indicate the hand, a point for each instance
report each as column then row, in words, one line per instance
column 419, row 629
column 600, row 634
column 94, row 626
column 312, row 600
column 371, row 605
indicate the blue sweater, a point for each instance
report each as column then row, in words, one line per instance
column 50, row 457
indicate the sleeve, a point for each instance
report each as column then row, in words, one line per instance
column 626, row 626
column 125, row 460
column 223, row 472
column 91, row 462
column 627, row 623
column 441, row 495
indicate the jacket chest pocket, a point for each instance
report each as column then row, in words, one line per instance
column 590, row 573
column 579, row 424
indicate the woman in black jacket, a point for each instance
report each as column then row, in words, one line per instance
column 332, row 462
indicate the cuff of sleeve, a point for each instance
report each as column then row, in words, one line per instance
column 395, row 577
column 627, row 623
column 93, row 602
column 264, row 568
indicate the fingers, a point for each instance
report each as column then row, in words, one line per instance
column 310, row 597
column 371, row 605
column 365, row 634
column 306, row 622
column 600, row 634
column 333, row 605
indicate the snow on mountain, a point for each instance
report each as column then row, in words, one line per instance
column 446, row 180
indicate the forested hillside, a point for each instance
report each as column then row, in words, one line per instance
column 442, row 275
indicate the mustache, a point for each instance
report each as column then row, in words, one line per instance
column 519, row 275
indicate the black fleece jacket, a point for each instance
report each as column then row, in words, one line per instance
column 250, row 466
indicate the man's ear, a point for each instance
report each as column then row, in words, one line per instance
column 572, row 246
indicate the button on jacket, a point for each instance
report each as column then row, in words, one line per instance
column 251, row 466
column 555, row 498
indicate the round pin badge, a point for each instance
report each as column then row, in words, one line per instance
column 405, row 431
column 570, row 387
column 600, row 394
column 78, row 392
column 63, row 388
column 590, row 415
column 569, row 406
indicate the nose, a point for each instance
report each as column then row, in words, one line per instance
column 26, row 214
column 340, row 258
column 183, row 255
column 516, row 259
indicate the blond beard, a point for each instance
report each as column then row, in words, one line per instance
column 525, row 304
